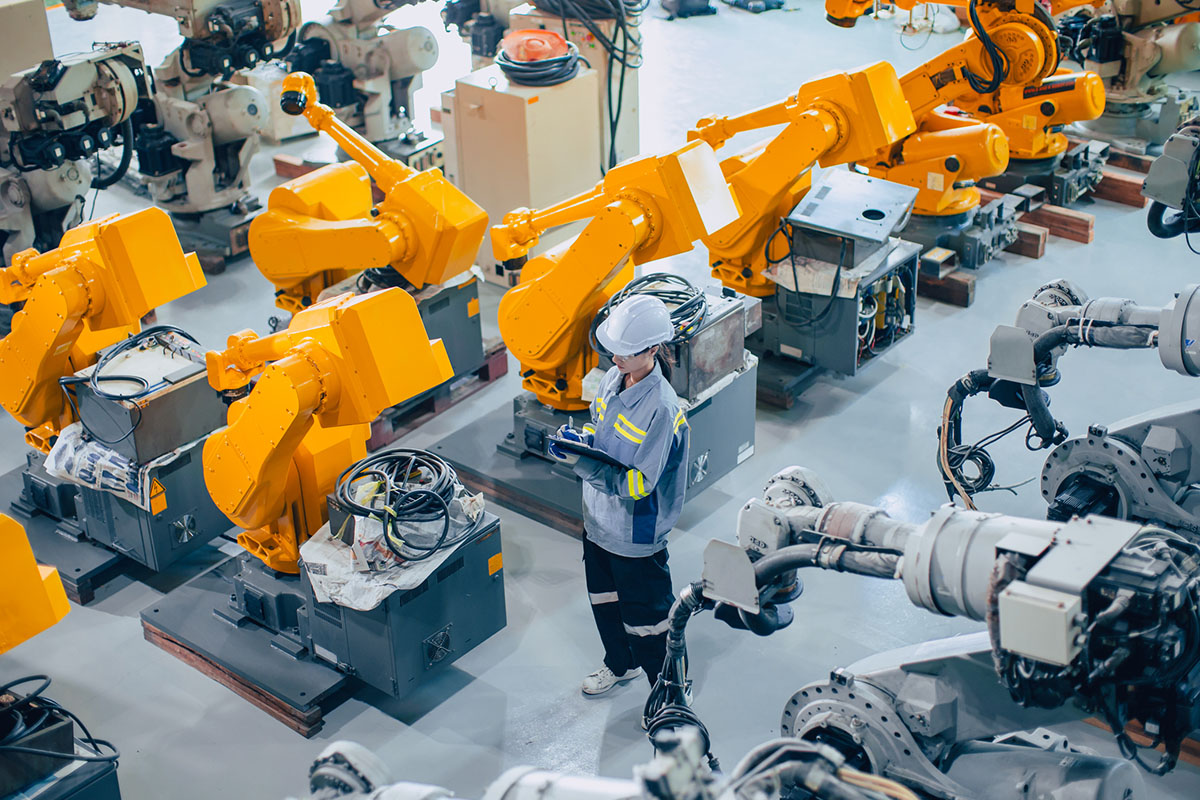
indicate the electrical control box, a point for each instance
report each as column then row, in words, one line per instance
column 175, row 406
column 1039, row 623
column 522, row 147
column 621, row 93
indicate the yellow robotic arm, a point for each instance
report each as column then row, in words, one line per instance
column 32, row 597
column 832, row 120
column 644, row 209
column 321, row 227
column 320, row 383
column 87, row 294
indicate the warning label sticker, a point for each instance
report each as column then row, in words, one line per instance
column 158, row 497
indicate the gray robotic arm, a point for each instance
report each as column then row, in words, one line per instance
column 1088, row 617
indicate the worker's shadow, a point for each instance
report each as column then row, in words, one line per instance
column 425, row 696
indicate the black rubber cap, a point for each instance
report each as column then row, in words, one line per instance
column 293, row 103
column 842, row 22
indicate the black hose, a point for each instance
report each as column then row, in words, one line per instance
column 126, row 158
column 1165, row 227
column 543, row 72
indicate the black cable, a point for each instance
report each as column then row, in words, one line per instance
column 687, row 304
column 96, row 378
column 32, row 712
column 415, row 486
column 99, row 182
column 543, row 72
column 791, row 257
column 995, row 56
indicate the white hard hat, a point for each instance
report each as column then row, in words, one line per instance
column 637, row 323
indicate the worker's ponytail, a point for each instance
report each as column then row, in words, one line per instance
column 664, row 361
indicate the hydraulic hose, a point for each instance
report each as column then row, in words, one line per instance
column 1165, row 227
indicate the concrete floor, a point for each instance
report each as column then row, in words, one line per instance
column 514, row 699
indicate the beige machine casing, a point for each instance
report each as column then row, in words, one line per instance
column 511, row 146
column 526, row 16
column 32, row 46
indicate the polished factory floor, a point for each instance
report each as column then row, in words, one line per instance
column 514, row 700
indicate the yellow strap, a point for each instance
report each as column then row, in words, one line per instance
column 628, row 435
column 630, row 480
column 637, row 484
column 631, row 426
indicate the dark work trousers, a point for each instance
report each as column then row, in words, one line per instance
column 631, row 598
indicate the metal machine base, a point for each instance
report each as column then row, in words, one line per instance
column 1138, row 128
column 83, row 565
column 310, row 657
column 976, row 236
column 217, row 235
column 781, row 380
column 95, row 781
column 420, row 153
column 1066, row 177
column 517, row 473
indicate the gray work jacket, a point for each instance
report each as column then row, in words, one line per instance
column 629, row 511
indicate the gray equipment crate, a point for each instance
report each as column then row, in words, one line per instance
column 397, row 645
column 182, row 515
column 179, row 406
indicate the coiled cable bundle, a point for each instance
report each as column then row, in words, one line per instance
column 687, row 304
column 545, row 70
column 406, row 490
column 23, row 717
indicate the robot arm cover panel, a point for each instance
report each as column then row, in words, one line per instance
column 31, row 596
column 103, row 278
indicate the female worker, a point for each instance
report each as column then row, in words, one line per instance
column 629, row 509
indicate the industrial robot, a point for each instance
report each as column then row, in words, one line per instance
column 1009, row 101
column 54, row 118
column 368, row 72
column 1135, row 46
column 306, row 397
column 195, row 140
column 1087, row 617
column 1137, row 469
column 99, row 398
column 1173, row 185
column 322, row 232
column 838, row 287
column 481, row 24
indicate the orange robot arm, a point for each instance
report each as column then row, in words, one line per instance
column 644, row 209
column 80, row 298
column 832, row 120
column 31, row 595
column 320, row 383
column 322, row 227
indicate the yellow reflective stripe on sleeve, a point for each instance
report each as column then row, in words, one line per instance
column 633, row 437
column 680, row 421
column 630, row 425
column 636, row 483
column 601, row 405
column 589, row 428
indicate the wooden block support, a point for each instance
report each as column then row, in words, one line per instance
column 1117, row 158
column 1120, row 188
column 957, row 288
column 1031, row 240
column 1078, row 226
column 293, row 167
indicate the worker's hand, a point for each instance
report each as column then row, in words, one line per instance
column 571, row 435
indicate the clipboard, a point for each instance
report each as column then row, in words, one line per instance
column 583, row 450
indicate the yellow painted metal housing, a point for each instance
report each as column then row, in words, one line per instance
column 645, row 209
column 836, row 119
column 322, row 227
column 79, row 298
column 32, row 597
column 319, row 384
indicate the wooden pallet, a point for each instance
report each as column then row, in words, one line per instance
column 404, row 418
column 956, row 288
column 1190, row 754
column 306, row 722
column 1117, row 158
column 1078, row 226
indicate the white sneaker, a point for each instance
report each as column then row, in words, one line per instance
column 603, row 679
